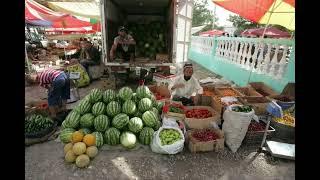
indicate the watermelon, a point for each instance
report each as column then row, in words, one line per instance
column 86, row 120
column 109, row 95
column 72, row 120
column 129, row 107
column 155, row 110
column 125, row 93
column 83, row 107
column 113, row 108
column 98, row 108
column 101, row 123
column 157, row 126
column 153, row 100
column 85, row 131
column 112, row 136
column 66, row 135
column 138, row 114
column 149, row 118
column 95, row 95
column 128, row 140
column 135, row 125
column 135, row 98
column 146, row 135
column 145, row 104
column 99, row 139
column 120, row 121
column 143, row 92
column 159, row 106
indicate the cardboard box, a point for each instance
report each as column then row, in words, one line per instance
column 263, row 89
column 162, row 57
column 193, row 123
column 248, row 92
column 162, row 90
column 220, row 91
column 259, row 104
column 176, row 116
column 160, row 78
column 197, row 146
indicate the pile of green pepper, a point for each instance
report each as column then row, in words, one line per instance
column 175, row 110
column 244, row 109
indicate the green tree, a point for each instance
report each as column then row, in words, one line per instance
column 241, row 24
column 203, row 16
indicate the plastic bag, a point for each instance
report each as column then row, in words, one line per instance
column 235, row 126
column 166, row 149
column 84, row 77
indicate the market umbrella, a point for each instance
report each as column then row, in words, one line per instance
column 281, row 12
column 270, row 32
column 213, row 32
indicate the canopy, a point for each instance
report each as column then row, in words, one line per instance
column 197, row 29
column 213, row 32
column 81, row 30
column 281, row 12
column 271, row 32
column 84, row 9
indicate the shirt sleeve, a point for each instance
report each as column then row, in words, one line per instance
column 116, row 40
column 175, row 81
column 197, row 88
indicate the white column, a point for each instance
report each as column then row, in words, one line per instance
column 274, row 62
column 282, row 63
column 247, row 64
column 244, row 54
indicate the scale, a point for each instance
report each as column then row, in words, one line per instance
column 276, row 149
column 74, row 91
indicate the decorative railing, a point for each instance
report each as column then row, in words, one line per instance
column 271, row 60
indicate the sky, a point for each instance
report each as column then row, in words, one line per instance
column 221, row 13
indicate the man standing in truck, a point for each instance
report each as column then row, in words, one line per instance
column 123, row 46
column 185, row 87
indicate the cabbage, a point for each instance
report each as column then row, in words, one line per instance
column 128, row 139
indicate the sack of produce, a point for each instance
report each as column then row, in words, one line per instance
column 84, row 77
column 167, row 140
column 236, row 121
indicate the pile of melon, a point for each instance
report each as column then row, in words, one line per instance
column 81, row 149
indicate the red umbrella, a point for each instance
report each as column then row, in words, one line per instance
column 270, row 32
column 213, row 32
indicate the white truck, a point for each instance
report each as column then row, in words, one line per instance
column 176, row 14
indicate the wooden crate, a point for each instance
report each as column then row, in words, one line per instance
column 259, row 104
column 193, row 123
column 176, row 116
column 162, row 57
column 221, row 92
column 248, row 92
column 196, row 146
column 262, row 89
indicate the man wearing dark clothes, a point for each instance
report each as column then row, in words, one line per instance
column 123, row 46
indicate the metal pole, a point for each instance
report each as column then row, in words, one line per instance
column 26, row 54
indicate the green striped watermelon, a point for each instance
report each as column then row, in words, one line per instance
column 85, row 131
column 99, row 139
column 157, row 126
column 138, row 114
column 113, row 108
column 72, row 120
column 128, row 139
column 98, row 108
column 83, row 107
column 149, row 118
column 109, row 95
column 145, row 104
column 86, row 121
column 120, row 121
column 153, row 100
column 146, row 135
column 135, row 98
column 95, row 95
column 125, row 93
column 101, row 123
column 159, row 106
column 155, row 110
column 66, row 135
column 135, row 125
column 143, row 92
column 129, row 107
column 112, row 136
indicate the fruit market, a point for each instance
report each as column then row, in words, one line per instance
column 168, row 114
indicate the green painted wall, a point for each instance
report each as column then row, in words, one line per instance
column 241, row 76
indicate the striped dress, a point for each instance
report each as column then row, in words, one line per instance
column 47, row 76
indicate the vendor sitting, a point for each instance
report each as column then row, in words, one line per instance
column 58, row 85
column 186, row 87
column 88, row 55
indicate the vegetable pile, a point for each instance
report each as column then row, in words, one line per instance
column 255, row 126
column 244, row 109
column 174, row 107
column 36, row 122
column 169, row 136
column 228, row 92
column 205, row 135
column 286, row 120
column 198, row 113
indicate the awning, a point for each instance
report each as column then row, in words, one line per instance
column 197, row 29
column 213, row 32
column 84, row 9
column 271, row 32
column 281, row 12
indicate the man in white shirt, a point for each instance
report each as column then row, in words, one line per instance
column 185, row 87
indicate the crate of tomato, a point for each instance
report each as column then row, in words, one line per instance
column 255, row 133
column 174, row 109
column 200, row 117
column 161, row 92
column 202, row 140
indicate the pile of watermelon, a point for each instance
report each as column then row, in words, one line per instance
column 122, row 117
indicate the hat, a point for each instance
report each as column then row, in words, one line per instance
column 187, row 65
column 122, row 28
